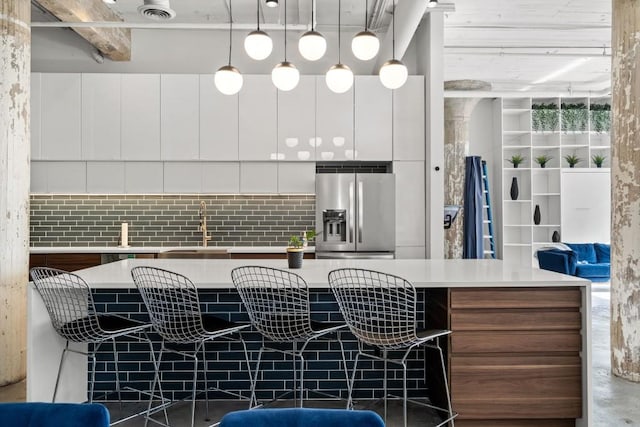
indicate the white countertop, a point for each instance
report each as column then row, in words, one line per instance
column 216, row 273
column 155, row 249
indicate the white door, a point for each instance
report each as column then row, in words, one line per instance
column 586, row 206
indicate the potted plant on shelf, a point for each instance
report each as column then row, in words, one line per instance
column 572, row 159
column 295, row 249
column 515, row 160
column 542, row 160
column 598, row 160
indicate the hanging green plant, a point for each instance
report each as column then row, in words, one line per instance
column 575, row 117
column 600, row 117
column 544, row 117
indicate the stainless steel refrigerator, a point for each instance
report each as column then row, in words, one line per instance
column 355, row 215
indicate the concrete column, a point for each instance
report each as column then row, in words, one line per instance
column 457, row 115
column 625, row 182
column 15, row 69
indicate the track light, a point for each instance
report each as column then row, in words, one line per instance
column 272, row 3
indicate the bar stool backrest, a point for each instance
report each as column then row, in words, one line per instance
column 277, row 302
column 69, row 303
column 172, row 302
column 379, row 308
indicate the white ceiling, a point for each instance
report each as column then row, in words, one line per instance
column 509, row 43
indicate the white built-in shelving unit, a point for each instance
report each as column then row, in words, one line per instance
column 521, row 238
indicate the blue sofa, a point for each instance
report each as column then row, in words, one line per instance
column 301, row 417
column 587, row 260
column 53, row 415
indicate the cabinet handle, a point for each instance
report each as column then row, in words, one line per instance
column 351, row 211
column 360, row 209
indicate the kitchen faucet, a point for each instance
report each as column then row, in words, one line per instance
column 203, row 223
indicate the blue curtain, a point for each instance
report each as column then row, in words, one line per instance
column 473, row 201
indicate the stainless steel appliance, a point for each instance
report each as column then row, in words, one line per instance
column 355, row 213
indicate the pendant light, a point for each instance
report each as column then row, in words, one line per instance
column 365, row 45
column 339, row 78
column 258, row 44
column 228, row 79
column 312, row 45
column 272, row 3
column 285, row 75
column 393, row 73
column 432, row 3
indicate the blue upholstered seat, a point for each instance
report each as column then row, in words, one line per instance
column 301, row 417
column 587, row 260
column 53, row 415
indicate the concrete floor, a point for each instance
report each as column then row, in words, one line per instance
column 616, row 401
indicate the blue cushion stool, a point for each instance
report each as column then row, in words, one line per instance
column 302, row 417
column 35, row 414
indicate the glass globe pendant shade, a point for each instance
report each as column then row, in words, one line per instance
column 339, row 78
column 228, row 80
column 258, row 45
column 393, row 74
column 365, row 45
column 285, row 76
column 312, row 45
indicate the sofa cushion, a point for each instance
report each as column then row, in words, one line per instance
column 603, row 252
column 584, row 251
column 557, row 260
column 591, row 271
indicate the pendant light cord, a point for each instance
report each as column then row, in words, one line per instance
column 230, row 28
column 366, row 15
column 258, row 13
column 313, row 7
column 393, row 33
column 285, row 30
column 339, row 32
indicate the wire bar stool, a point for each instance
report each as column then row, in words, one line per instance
column 69, row 302
column 174, row 308
column 380, row 310
column 277, row 302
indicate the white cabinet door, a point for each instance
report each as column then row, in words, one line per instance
column 179, row 116
column 140, row 115
column 585, row 207
column 373, row 119
column 258, row 134
column 60, row 121
column 143, row 177
column 258, row 177
column 66, row 177
column 410, row 203
column 334, row 123
column 105, row 177
column 297, row 178
column 101, row 116
column 408, row 120
column 36, row 144
column 218, row 122
column 297, row 121
column 182, row 177
column 221, row 177
column 38, row 177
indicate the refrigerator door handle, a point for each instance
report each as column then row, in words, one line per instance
column 360, row 210
column 351, row 211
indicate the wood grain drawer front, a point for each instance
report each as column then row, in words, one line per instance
column 520, row 320
column 516, row 382
column 511, row 408
column 515, row 342
column 514, row 423
column 470, row 298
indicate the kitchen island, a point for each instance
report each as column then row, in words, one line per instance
column 519, row 353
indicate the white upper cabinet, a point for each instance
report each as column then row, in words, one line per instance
column 179, row 116
column 297, row 178
column 60, row 121
column 140, row 115
column 218, row 122
column 410, row 204
column 334, row 123
column 408, row 120
column 36, row 145
column 297, row 121
column 373, row 119
column 258, row 130
column 101, row 116
column 258, row 177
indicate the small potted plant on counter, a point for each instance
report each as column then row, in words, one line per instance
column 572, row 159
column 542, row 160
column 515, row 160
column 598, row 160
column 295, row 249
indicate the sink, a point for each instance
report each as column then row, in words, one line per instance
column 206, row 253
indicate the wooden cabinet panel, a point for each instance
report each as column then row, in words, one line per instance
column 68, row 262
column 512, row 408
column 515, row 298
column 521, row 320
column 268, row 255
column 514, row 423
column 515, row 342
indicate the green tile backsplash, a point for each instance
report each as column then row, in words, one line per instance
column 168, row 220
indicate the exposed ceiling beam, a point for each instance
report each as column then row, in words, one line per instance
column 168, row 26
column 113, row 43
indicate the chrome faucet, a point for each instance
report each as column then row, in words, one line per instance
column 203, row 223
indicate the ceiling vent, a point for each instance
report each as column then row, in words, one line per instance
column 158, row 10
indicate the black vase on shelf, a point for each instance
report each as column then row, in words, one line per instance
column 555, row 237
column 514, row 188
column 536, row 215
